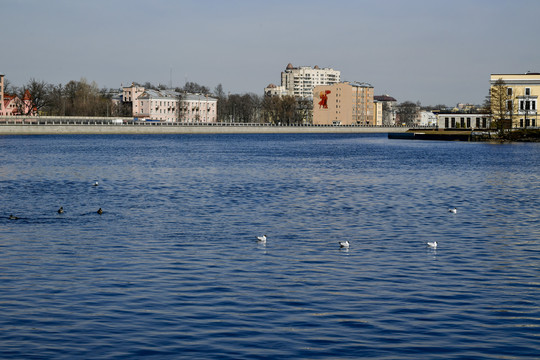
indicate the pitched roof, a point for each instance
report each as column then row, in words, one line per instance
column 198, row 97
column 27, row 95
column 383, row 98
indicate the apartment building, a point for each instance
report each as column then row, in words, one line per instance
column 130, row 94
column 198, row 108
column 385, row 110
column 300, row 81
column 343, row 104
column 522, row 97
column 159, row 105
column 274, row 90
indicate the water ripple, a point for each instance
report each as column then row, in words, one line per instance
column 172, row 268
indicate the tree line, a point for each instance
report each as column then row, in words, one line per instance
column 76, row 98
column 253, row 108
column 83, row 98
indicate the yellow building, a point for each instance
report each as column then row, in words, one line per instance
column 343, row 104
column 522, row 92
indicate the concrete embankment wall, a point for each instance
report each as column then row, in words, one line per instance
column 35, row 129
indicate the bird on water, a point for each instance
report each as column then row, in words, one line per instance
column 261, row 239
column 453, row 211
column 432, row 244
column 12, row 217
column 61, row 210
column 344, row 244
column 95, row 184
column 100, row 211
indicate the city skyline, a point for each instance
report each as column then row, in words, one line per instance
column 435, row 52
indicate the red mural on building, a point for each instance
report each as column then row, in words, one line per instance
column 323, row 95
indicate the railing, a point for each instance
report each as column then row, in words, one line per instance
column 20, row 120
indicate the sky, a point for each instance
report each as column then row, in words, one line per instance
column 428, row 51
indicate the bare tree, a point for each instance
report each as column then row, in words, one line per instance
column 57, row 102
column 84, row 99
column 181, row 108
column 304, row 111
column 408, row 112
column 8, row 88
column 387, row 112
column 271, row 106
column 288, row 109
column 194, row 88
column 34, row 96
column 502, row 106
column 219, row 93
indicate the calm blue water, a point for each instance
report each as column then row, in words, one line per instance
column 172, row 269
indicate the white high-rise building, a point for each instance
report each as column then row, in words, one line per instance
column 300, row 81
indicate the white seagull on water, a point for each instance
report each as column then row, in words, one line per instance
column 453, row 211
column 432, row 244
column 262, row 239
column 344, row 244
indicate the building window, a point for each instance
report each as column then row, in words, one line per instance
column 477, row 122
column 527, row 105
column 527, row 91
column 509, row 91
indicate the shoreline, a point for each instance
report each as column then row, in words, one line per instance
column 153, row 128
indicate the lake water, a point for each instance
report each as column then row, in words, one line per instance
column 172, row 269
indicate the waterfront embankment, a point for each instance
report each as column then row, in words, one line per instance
column 511, row 135
column 96, row 126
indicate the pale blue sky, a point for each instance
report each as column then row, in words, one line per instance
column 432, row 51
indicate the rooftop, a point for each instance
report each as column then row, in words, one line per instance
column 383, row 98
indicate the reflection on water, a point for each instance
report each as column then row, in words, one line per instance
column 173, row 269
